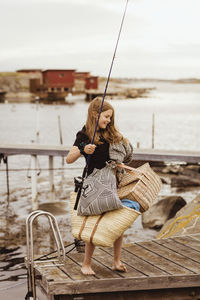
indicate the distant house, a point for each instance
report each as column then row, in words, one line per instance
column 57, row 83
column 80, row 81
column 58, row 80
column 91, row 83
column 32, row 76
column 82, row 75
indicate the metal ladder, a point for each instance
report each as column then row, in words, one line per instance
column 30, row 251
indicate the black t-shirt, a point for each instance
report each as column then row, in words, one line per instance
column 101, row 154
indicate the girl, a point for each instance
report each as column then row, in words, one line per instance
column 106, row 135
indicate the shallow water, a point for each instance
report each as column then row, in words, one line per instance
column 177, row 122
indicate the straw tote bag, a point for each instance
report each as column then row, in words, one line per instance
column 141, row 184
column 104, row 229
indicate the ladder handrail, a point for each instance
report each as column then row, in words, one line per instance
column 30, row 248
column 27, row 233
column 50, row 216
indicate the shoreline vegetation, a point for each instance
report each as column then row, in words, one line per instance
column 14, row 88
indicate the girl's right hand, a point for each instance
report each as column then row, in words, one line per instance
column 89, row 149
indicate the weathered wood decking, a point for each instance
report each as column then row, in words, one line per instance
column 157, row 269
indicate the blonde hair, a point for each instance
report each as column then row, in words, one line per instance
column 110, row 134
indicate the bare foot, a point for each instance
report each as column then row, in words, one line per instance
column 87, row 270
column 119, row 267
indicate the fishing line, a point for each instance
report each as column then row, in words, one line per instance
column 85, row 170
column 108, row 78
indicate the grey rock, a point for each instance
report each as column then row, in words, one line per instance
column 192, row 173
column 185, row 222
column 184, row 181
column 157, row 215
column 173, row 169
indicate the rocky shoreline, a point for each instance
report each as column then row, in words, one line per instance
column 167, row 212
column 178, row 175
column 16, row 89
column 173, row 176
column 181, row 176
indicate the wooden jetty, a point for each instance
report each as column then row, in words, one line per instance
column 158, row 269
column 139, row 154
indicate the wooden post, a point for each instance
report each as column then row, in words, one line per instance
column 37, row 121
column 60, row 130
column 153, row 129
column 138, row 145
column 34, row 182
column 7, row 175
column 51, row 179
column 61, row 142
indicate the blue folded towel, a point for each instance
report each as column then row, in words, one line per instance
column 131, row 204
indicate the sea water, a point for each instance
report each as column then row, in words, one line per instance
column 176, row 110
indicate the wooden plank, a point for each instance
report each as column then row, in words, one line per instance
column 100, row 269
column 70, row 281
column 166, row 294
column 106, row 258
column 106, row 261
column 49, row 274
column 180, row 248
column 72, row 269
column 195, row 236
column 139, row 264
column 172, row 256
column 123, row 284
column 157, row 261
column 139, row 154
column 167, row 155
column 41, row 292
column 191, row 242
column 34, row 149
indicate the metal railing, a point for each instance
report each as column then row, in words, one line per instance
column 30, row 248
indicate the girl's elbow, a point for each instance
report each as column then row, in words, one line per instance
column 69, row 160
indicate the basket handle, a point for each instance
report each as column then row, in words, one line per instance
column 135, row 171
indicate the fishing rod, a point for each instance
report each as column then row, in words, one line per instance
column 79, row 180
column 108, row 78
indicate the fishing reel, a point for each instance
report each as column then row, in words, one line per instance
column 78, row 181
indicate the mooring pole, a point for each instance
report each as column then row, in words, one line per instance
column 61, row 142
column 153, row 129
column 51, row 179
column 7, row 175
column 60, row 135
column 5, row 160
column 37, row 120
column 34, row 182
column 60, row 130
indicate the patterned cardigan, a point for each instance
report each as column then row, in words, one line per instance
column 121, row 153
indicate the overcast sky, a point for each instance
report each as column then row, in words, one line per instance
column 159, row 38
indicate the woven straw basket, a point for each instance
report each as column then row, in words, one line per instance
column 101, row 230
column 141, row 185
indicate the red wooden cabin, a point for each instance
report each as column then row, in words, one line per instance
column 58, row 80
column 91, row 83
